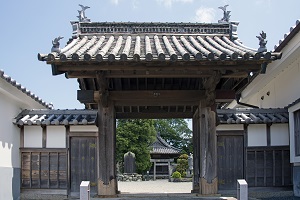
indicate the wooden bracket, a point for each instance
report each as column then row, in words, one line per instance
column 103, row 88
column 209, row 85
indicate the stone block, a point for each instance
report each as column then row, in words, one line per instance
column 85, row 190
column 242, row 189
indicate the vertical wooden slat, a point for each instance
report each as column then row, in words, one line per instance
column 40, row 170
column 196, row 153
column 274, row 169
column 268, row 127
column 30, row 171
column 245, row 151
column 57, row 172
column 255, row 173
column 282, row 167
column 48, row 169
column 68, row 159
column 22, row 137
column 265, row 169
column 44, row 136
column 297, row 132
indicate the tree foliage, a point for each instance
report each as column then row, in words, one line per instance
column 182, row 164
column 176, row 132
column 135, row 135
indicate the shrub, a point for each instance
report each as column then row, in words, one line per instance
column 184, row 156
column 182, row 166
column 176, row 174
column 183, row 174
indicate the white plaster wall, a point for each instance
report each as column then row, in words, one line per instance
column 279, row 134
column 281, row 79
column 33, row 137
column 283, row 88
column 233, row 127
column 257, row 135
column 56, row 137
column 86, row 128
column 12, row 102
column 9, row 133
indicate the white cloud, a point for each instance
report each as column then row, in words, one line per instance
column 135, row 4
column 205, row 15
column 263, row 2
column 168, row 3
column 116, row 2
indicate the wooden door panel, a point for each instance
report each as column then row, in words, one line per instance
column 230, row 161
column 83, row 163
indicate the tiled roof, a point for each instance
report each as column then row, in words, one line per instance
column 252, row 116
column 24, row 90
column 160, row 146
column 57, row 117
column 293, row 103
column 287, row 37
column 100, row 42
column 89, row 117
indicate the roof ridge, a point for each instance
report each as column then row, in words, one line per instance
column 287, row 36
column 164, row 142
column 23, row 89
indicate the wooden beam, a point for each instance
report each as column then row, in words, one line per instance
column 183, row 95
column 211, row 65
column 225, row 96
column 154, row 97
column 156, row 74
column 147, row 74
column 154, row 115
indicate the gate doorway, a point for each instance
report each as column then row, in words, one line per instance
column 230, row 153
column 83, row 163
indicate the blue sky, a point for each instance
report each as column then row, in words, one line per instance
column 28, row 27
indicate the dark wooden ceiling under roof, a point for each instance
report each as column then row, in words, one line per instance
column 157, row 70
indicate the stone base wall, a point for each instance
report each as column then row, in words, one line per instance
column 43, row 196
column 129, row 177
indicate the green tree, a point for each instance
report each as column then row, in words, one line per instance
column 176, row 132
column 135, row 135
column 182, row 164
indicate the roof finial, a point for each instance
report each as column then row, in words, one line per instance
column 55, row 43
column 81, row 16
column 226, row 15
column 262, row 42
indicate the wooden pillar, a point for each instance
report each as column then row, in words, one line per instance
column 107, row 180
column 196, row 153
column 208, row 181
column 154, row 171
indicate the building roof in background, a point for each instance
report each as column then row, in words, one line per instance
column 125, row 42
column 23, row 89
column 288, row 36
column 252, row 116
column 160, row 146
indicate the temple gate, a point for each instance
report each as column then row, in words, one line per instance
column 157, row 70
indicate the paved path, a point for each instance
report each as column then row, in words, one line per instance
column 158, row 186
column 164, row 190
column 159, row 190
